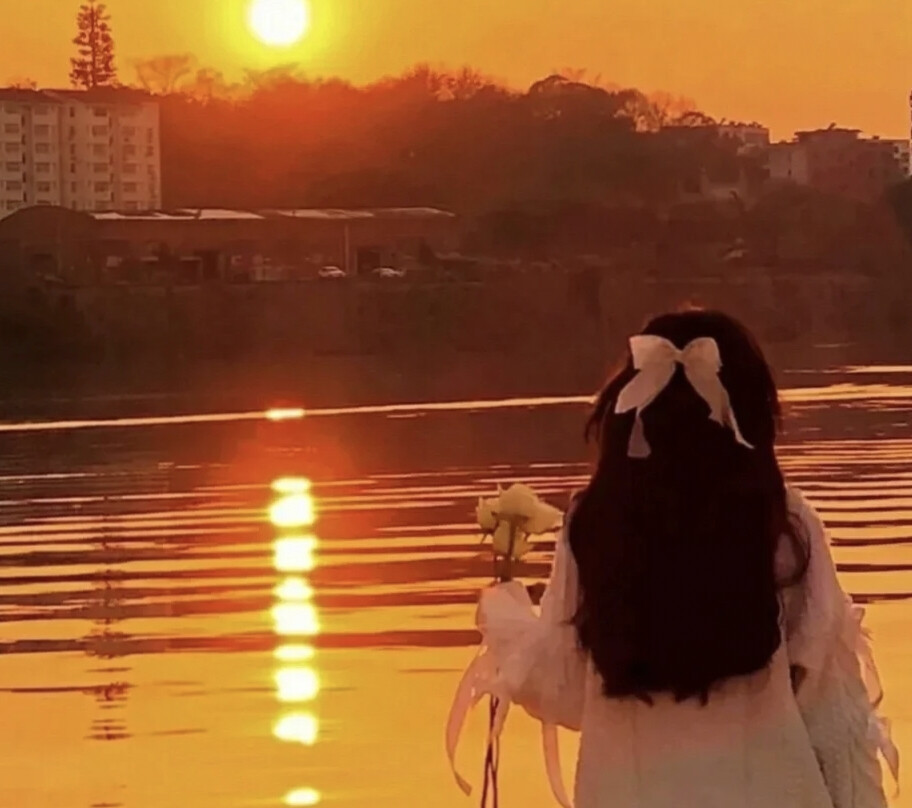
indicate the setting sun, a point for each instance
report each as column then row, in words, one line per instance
column 279, row 23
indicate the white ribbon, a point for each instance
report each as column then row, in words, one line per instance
column 479, row 680
column 483, row 678
column 655, row 359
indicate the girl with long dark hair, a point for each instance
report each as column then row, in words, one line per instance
column 694, row 628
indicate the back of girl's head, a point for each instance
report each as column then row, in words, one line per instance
column 677, row 551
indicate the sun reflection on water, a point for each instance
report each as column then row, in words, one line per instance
column 293, row 510
column 302, row 728
column 295, row 653
column 285, row 414
column 297, row 684
column 291, row 485
column 303, row 797
column 295, row 554
column 295, row 618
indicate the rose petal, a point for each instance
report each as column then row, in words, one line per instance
column 518, row 500
column 501, row 541
column 545, row 519
column 484, row 513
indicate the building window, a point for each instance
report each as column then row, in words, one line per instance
column 99, row 150
column 13, row 185
column 13, row 204
column 42, row 130
column 11, row 128
column 100, row 168
column 100, row 112
column 129, row 131
column 72, row 133
column 43, row 187
column 131, row 205
column 150, row 135
column 102, row 187
column 12, row 148
column 100, row 131
column 72, row 112
column 42, row 148
column 13, row 167
column 41, row 110
column 129, row 151
column 42, row 168
column 150, row 151
column 130, row 187
column 129, row 168
column 72, row 168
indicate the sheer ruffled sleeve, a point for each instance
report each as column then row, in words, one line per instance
column 529, row 658
column 537, row 657
column 840, row 690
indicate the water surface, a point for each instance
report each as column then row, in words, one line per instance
column 272, row 608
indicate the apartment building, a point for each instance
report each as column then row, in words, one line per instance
column 94, row 151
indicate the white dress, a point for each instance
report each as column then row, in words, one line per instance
column 755, row 745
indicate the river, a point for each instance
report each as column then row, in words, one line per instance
column 272, row 608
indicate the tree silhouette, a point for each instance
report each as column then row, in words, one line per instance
column 93, row 66
column 162, row 75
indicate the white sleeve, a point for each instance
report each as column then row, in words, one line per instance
column 840, row 693
column 538, row 658
column 815, row 607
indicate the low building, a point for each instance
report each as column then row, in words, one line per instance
column 841, row 162
column 193, row 246
column 752, row 137
column 788, row 162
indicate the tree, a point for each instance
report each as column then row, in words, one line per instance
column 93, row 66
column 162, row 74
column 22, row 83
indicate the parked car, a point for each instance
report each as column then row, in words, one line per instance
column 332, row 272
column 389, row 272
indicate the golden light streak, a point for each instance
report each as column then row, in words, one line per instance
column 285, row 414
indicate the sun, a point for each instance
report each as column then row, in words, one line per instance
column 279, row 23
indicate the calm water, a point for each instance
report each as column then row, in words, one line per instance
column 177, row 632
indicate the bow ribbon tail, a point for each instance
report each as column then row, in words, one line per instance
column 467, row 696
column 553, row 765
column 638, row 447
column 729, row 419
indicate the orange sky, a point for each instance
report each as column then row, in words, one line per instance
column 789, row 63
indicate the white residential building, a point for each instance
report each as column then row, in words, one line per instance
column 95, row 151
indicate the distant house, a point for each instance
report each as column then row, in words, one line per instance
column 752, row 137
column 839, row 161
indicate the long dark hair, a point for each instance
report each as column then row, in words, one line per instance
column 677, row 552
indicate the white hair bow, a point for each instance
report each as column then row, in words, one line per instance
column 655, row 359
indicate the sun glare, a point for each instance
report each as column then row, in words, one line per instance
column 279, row 23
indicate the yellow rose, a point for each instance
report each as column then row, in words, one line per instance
column 517, row 501
column 486, row 515
column 501, row 541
